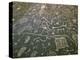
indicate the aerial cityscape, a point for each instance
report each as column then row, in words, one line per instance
column 42, row 29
